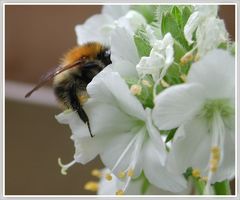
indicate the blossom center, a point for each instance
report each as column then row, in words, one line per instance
column 221, row 106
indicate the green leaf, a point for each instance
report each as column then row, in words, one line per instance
column 145, row 185
column 174, row 21
column 173, row 75
column 222, row 188
column 188, row 173
column 142, row 42
column 229, row 46
column 178, row 15
column 186, row 12
column 171, row 25
column 179, row 51
column 170, row 135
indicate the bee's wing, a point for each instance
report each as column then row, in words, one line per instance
column 51, row 74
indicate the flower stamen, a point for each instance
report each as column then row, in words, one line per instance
column 183, row 77
column 146, row 83
column 91, row 186
column 108, row 177
column 120, row 192
column 164, row 83
column 196, row 173
column 121, row 174
column 97, row 173
column 188, row 57
column 130, row 172
column 136, row 89
column 64, row 168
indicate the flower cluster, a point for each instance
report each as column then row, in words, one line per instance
column 163, row 112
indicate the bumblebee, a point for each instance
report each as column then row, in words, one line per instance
column 70, row 79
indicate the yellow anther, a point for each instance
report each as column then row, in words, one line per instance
column 215, row 150
column 214, row 162
column 121, row 174
column 130, row 172
column 183, row 77
column 215, row 153
column 186, row 58
column 204, row 178
column 96, row 173
column 119, row 192
column 136, row 89
column 216, row 156
column 146, row 83
column 213, row 168
column 108, row 177
column 196, row 173
column 91, row 186
column 164, row 83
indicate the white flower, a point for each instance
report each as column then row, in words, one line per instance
column 125, row 138
column 203, row 109
column 124, row 54
column 115, row 11
column 160, row 58
column 99, row 27
column 210, row 34
column 106, row 187
column 211, row 30
column 126, row 61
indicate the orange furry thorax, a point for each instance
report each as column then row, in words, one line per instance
column 88, row 50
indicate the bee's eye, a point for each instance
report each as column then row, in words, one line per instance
column 107, row 54
column 105, row 57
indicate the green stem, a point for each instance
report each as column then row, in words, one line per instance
column 199, row 185
column 222, row 188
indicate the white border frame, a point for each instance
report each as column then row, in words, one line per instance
column 123, row 2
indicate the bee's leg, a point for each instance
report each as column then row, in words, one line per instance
column 75, row 104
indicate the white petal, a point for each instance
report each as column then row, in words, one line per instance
column 169, row 55
column 176, row 105
column 215, row 72
column 110, row 187
column 104, row 118
column 125, row 68
column 107, row 187
column 91, row 30
column 210, row 35
column 157, row 174
column 190, row 148
column 115, row 149
column 207, row 10
column 152, row 190
column 115, row 11
column 123, row 49
column 156, row 137
column 109, row 87
column 131, row 21
column 151, row 65
column 199, row 16
column 151, row 34
column 191, row 25
column 160, row 58
column 227, row 167
column 86, row 149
